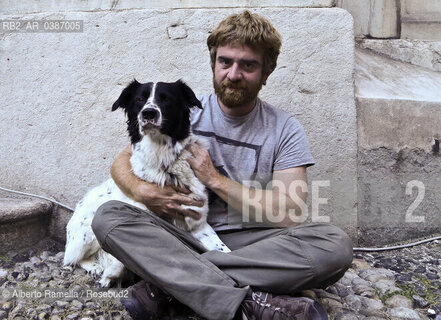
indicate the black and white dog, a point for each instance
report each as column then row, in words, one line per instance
column 159, row 128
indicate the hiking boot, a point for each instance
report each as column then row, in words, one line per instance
column 147, row 302
column 266, row 306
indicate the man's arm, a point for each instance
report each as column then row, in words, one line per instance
column 165, row 201
column 274, row 207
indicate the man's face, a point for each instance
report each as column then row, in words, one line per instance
column 238, row 75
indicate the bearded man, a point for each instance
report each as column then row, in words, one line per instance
column 273, row 256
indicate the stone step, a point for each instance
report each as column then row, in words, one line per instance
column 23, row 222
column 426, row 54
column 378, row 77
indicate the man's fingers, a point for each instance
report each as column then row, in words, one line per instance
column 177, row 189
column 180, row 213
column 176, row 199
column 181, row 190
column 191, row 147
column 187, row 201
column 189, row 213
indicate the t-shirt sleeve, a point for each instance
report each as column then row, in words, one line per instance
column 293, row 148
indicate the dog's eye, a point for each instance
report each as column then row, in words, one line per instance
column 140, row 99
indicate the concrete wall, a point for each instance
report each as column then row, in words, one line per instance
column 59, row 136
column 398, row 112
column 399, row 162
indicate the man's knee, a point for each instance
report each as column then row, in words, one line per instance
column 114, row 213
column 329, row 247
column 339, row 255
column 104, row 219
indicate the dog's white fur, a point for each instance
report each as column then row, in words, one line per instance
column 155, row 159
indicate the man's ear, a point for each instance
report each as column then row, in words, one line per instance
column 265, row 77
column 189, row 96
column 124, row 98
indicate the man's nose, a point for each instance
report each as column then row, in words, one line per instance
column 235, row 73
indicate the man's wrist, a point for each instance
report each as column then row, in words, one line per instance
column 216, row 182
column 141, row 191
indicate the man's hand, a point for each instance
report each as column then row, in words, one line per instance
column 167, row 202
column 203, row 166
column 164, row 202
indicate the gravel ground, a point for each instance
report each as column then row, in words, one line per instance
column 399, row 284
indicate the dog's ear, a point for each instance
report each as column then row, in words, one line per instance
column 124, row 98
column 189, row 95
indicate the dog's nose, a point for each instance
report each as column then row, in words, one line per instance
column 150, row 114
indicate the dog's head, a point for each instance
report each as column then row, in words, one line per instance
column 157, row 108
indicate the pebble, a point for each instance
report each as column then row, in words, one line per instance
column 44, row 255
column 35, row 261
column 61, row 304
column 44, row 308
column 386, row 286
column 396, row 285
column 404, row 313
column 419, row 301
column 371, row 307
column 342, row 290
column 374, row 275
column 7, row 305
column 73, row 316
column 76, row 305
column 398, row 300
column 353, row 302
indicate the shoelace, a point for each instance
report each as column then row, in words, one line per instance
column 256, row 297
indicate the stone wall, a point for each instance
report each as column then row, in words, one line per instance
column 34, row 6
column 405, row 19
column 373, row 18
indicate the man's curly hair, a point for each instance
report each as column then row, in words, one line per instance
column 247, row 29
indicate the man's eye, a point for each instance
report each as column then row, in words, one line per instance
column 249, row 65
column 224, row 62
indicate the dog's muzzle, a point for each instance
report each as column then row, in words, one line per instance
column 149, row 118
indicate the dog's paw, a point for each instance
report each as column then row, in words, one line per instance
column 91, row 267
column 223, row 248
column 94, row 273
column 105, row 282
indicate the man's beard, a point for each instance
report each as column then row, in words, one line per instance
column 243, row 95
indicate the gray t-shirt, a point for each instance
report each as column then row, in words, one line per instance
column 248, row 148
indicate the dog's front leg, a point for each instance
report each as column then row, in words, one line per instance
column 208, row 237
